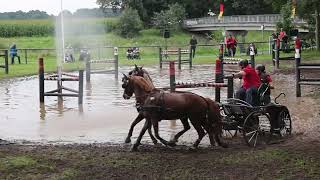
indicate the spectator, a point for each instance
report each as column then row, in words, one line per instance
column 84, row 54
column 69, row 54
column 193, row 44
column 14, row 53
column 228, row 42
column 298, row 44
column 265, row 79
column 276, row 41
column 283, row 39
column 231, row 45
column 136, row 53
column 234, row 45
column 249, row 90
column 129, row 53
column 252, row 50
column 282, row 34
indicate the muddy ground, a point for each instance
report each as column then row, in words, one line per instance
column 297, row 157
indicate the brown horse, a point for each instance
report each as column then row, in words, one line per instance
column 159, row 105
column 139, row 71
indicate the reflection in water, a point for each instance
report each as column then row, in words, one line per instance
column 88, row 89
column 42, row 111
column 60, row 106
column 104, row 116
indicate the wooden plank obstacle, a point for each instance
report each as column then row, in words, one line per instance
column 216, row 85
column 276, row 55
column 59, row 79
column 4, row 54
column 114, row 61
column 180, row 56
column 305, row 67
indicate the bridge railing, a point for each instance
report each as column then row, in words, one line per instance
column 259, row 19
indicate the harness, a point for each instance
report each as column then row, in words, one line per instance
column 159, row 107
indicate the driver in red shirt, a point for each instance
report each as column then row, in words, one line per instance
column 251, row 82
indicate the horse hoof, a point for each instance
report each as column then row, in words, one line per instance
column 193, row 148
column 155, row 142
column 134, row 148
column 224, row 145
column 172, row 143
column 128, row 140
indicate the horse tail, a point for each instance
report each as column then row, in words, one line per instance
column 214, row 116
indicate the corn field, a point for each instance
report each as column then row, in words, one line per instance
column 28, row 28
column 46, row 27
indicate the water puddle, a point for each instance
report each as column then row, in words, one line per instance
column 105, row 116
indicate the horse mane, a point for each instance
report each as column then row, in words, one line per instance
column 144, row 84
column 147, row 77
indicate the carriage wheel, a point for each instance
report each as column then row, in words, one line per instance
column 284, row 120
column 256, row 128
column 228, row 133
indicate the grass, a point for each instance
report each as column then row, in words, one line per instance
column 149, row 55
column 60, row 162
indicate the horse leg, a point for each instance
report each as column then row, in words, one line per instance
column 210, row 132
column 143, row 130
column 200, row 131
column 218, row 140
column 139, row 118
column 154, row 140
column 155, row 124
column 186, row 127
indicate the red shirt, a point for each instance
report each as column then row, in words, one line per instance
column 297, row 43
column 265, row 78
column 278, row 43
column 282, row 34
column 229, row 42
column 251, row 78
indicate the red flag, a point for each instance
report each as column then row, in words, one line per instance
column 221, row 9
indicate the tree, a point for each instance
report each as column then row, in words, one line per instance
column 310, row 9
column 129, row 23
column 275, row 4
column 114, row 4
column 169, row 19
column 246, row 7
column 33, row 14
column 286, row 23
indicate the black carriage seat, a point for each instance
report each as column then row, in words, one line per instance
column 237, row 108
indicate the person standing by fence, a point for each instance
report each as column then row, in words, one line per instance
column 14, row 53
column 193, row 44
column 231, row 45
column 234, row 45
column 283, row 39
column 298, row 44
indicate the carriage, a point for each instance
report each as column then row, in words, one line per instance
column 258, row 124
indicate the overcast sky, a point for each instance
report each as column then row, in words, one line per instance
column 50, row 6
